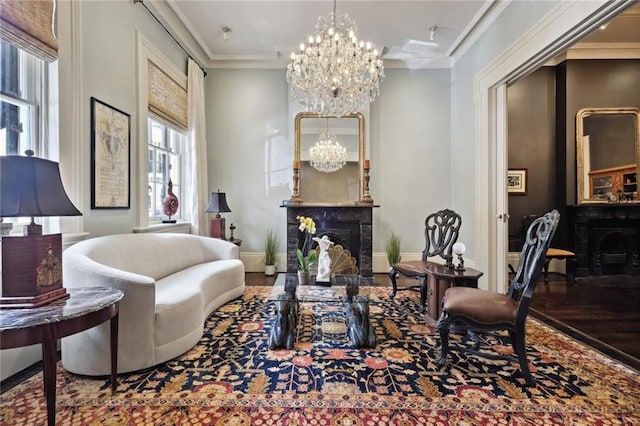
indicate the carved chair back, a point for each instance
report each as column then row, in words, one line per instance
column 441, row 232
column 537, row 239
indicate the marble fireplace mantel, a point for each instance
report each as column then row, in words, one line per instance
column 349, row 224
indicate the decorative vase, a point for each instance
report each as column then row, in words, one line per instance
column 269, row 269
column 303, row 277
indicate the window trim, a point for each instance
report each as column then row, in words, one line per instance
column 148, row 52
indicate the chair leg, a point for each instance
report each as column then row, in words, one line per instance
column 521, row 350
column 443, row 324
column 393, row 274
column 571, row 268
column 545, row 269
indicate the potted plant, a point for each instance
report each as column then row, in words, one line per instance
column 271, row 247
column 392, row 247
column 306, row 258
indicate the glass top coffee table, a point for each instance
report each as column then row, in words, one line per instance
column 352, row 291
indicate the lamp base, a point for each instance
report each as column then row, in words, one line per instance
column 33, row 301
column 217, row 229
column 31, row 271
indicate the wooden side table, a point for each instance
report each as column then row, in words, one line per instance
column 439, row 279
column 85, row 308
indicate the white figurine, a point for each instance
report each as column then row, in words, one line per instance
column 324, row 261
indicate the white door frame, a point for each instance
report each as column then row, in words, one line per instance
column 564, row 25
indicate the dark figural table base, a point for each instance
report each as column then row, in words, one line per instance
column 85, row 308
column 286, row 298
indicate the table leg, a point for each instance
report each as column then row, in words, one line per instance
column 50, row 359
column 114, row 351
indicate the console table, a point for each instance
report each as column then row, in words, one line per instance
column 85, row 308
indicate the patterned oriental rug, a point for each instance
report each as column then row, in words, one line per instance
column 231, row 378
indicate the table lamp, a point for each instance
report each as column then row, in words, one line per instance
column 459, row 249
column 217, row 205
column 32, row 263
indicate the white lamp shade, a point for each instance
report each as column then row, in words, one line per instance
column 459, row 248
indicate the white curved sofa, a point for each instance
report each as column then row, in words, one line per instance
column 171, row 283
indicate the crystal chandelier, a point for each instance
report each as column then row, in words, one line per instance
column 335, row 74
column 327, row 155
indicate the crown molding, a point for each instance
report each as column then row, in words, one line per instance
column 166, row 14
column 598, row 51
column 476, row 28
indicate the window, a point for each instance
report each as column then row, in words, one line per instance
column 27, row 86
column 23, row 91
column 165, row 161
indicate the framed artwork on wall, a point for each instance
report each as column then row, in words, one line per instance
column 110, row 157
column 517, row 181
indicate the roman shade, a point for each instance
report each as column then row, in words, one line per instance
column 167, row 98
column 31, row 26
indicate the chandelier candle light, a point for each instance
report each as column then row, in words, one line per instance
column 335, row 74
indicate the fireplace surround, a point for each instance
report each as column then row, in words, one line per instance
column 350, row 226
column 606, row 238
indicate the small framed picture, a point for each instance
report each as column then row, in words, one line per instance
column 517, row 181
column 110, row 157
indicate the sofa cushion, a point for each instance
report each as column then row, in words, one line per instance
column 182, row 298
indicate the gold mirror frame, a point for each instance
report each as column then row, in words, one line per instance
column 299, row 196
column 583, row 169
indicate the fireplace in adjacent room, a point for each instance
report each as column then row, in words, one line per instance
column 350, row 226
column 607, row 239
column 615, row 250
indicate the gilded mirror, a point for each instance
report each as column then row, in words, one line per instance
column 607, row 154
column 344, row 186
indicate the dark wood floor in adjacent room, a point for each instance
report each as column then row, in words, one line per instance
column 603, row 312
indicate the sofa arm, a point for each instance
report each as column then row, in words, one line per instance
column 84, row 353
column 217, row 249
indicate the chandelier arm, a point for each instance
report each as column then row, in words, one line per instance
column 335, row 74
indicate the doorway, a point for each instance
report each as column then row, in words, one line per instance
column 537, row 47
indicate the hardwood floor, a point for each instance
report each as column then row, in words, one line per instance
column 603, row 312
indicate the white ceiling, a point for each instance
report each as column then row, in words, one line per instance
column 260, row 29
column 265, row 32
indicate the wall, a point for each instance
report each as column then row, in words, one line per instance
column 251, row 152
column 410, row 158
column 110, row 74
column 531, row 135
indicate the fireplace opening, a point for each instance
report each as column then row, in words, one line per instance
column 344, row 233
column 615, row 251
column 613, row 254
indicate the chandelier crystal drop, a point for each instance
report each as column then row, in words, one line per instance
column 327, row 155
column 335, row 74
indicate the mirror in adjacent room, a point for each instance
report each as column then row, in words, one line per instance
column 343, row 186
column 608, row 153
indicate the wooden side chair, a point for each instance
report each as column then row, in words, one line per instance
column 440, row 232
column 485, row 312
column 554, row 253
